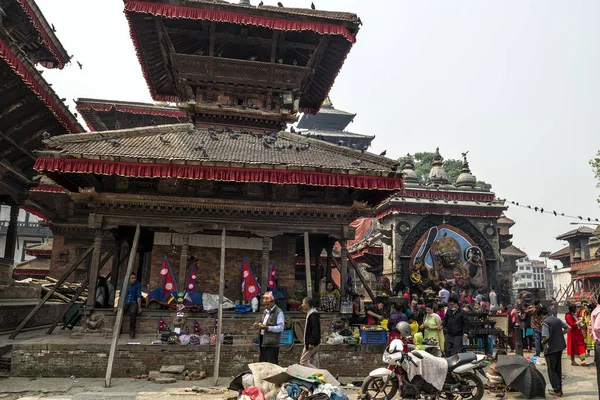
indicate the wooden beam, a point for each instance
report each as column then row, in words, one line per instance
column 166, row 49
column 314, row 61
column 17, row 146
column 22, row 124
column 14, row 107
column 121, row 308
column 220, row 309
column 343, row 270
column 74, row 298
column 59, row 282
column 265, row 263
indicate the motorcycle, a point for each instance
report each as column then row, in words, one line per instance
column 461, row 379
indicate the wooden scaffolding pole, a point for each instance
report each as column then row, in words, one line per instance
column 220, row 311
column 309, row 292
column 58, row 283
column 74, row 298
column 121, row 307
column 360, row 275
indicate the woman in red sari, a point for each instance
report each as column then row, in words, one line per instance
column 575, row 341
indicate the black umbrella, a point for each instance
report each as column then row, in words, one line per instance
column 522, row 375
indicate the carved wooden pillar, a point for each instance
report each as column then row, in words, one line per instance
column 114, row 270
column 183, row 260
column 344, row 271
column 328, row 276
column 94, row 267
column 265, row 263
column 309, row 293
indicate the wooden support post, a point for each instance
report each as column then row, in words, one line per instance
column 360, row 276
column 309, row 292
column 330, row 264
column 121, row 308
column 59, row 282
column 183, row 261
column 220, row 310
column 343, row 269
column 264, row 276
column 116, row 264
column 80, row 290
column 11, row 233
column 94, row 268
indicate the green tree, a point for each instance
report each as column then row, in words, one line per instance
column 595, row 163
column 423, row 162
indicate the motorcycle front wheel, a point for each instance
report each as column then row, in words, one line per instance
column 374, row 388
column 471, row 386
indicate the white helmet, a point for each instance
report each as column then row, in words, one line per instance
column 404, row 329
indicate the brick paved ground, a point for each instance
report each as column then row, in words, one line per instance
column 579, row 383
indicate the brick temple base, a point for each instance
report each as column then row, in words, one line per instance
column 90, row 360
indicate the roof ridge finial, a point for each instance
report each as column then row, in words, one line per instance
column 465, row 179
column 438, row 175
column 409, row 176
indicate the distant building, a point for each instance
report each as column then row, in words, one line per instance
column 329, row 124
column 530, row 274
column 581, row 258
column 29, row 232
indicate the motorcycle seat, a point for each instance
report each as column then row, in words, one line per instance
column 457, row 360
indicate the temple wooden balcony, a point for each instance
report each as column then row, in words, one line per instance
column 200, row 69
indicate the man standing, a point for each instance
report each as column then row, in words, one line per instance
column 493, row 300
column 443, row 294
column 595, row 332
column 454, row 324
column 553, row 334
column 536, row 325
column 270, row 330
column 312, row 334
column 133, row 302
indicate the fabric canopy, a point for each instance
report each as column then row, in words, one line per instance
column 200, row 172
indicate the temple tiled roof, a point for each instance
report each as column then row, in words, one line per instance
column 180, row 143
column 581, row 231
column 562, row 253
column 513, row 251
column 592, row 269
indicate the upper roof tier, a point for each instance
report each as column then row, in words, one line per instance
column 104, row 115
column 184, row 46
column 328, row 118
column 180, row 150
column 32, row 33
column 582, row 231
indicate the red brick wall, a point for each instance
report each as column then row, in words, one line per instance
column 90, row 360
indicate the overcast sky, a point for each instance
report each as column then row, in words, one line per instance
column 516, row 83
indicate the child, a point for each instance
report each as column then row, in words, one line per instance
column 418, row 339
column 494, row 379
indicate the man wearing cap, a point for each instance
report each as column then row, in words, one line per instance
column 595, row 332
column 270, row 330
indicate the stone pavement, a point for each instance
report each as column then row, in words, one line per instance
column 579, row 383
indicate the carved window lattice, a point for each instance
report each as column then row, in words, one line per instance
column 62, row 256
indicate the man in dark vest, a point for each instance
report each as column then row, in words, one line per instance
column 553, row 339
column 312, row 334
column 454, row 324
column 271, row 326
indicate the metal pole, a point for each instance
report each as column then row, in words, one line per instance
column 309, row 293
column 121, row 307
column 220, row 312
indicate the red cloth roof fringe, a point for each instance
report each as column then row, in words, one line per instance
column 227, row 174
column 443, row 195
column 13, row 61
column 175, row 11
column 44, row 35
column 34, row 212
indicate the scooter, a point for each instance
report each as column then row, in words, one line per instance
column 461, row 380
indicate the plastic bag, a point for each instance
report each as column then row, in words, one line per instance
column 252, row 393
column 335, row 338
column 204, row 339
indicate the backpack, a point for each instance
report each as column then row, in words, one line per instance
column 227, row 339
